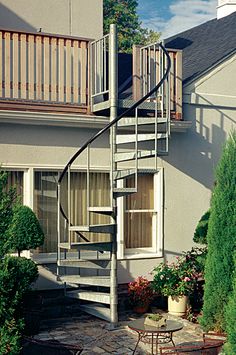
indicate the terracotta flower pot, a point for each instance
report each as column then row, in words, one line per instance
column 141, row 309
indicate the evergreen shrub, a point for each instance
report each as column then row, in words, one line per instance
column 16, row 275
column 230, row 346
column 200, row 235
column 221, row 238
column 25, row 231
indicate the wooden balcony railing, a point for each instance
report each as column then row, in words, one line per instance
column 147, row 72
column 43, row 69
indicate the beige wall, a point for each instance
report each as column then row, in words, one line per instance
column 210, row 103
column 47, row 146
column 81, row 18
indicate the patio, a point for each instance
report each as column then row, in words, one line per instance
column 95, row 337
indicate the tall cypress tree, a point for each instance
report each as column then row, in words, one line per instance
column 221, row 239
column 230, row 347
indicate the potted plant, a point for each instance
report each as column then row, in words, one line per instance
column 175, row 280
column 140, row 294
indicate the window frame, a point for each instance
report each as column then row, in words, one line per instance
column 157, row 225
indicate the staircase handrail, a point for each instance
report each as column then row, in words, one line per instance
column 119, row 117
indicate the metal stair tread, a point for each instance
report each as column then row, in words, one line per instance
column 130, row 138
column 125, row 156
column 87, row 280
column 103, row 263
column 101, row 209
column 130, row 121
column 67, row 245
column 125, row 189
column 101, row 297
column 121, row 174
column 90, row 228
column 146, row 105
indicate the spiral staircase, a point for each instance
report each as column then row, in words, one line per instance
column 88, row 267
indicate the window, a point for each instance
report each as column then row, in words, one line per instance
column 139, row 212
column 45, row 203
column 15, row 179
column 140, row 232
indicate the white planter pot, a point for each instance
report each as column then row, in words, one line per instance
column 177, row 305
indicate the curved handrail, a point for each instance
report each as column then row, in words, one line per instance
column 110, row 124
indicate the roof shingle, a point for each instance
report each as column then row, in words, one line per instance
column 205, row 45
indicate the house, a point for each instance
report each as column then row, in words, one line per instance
column 163, row 155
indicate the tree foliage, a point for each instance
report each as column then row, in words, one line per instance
column 25, row 231
column 124, row 14
column 200, row 235
column 221, row 239
column 230, row 347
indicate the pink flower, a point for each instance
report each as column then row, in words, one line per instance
column 187, row 279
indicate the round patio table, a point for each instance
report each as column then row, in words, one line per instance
column 154, row 335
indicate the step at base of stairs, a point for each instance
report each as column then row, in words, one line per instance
column 98, row 246
column 103, row 281
column 92, row 296
column 87, row 264
column 97, row 310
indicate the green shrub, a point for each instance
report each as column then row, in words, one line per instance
column 200, row 235
column 10, row 337
column 16, row 276
column 7, row 200
column 221, row 241
column 230, row 347
column 25, row 231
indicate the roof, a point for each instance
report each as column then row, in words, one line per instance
column 205, row 45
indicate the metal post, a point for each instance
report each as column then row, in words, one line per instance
column 58, row 228
column 113, row 90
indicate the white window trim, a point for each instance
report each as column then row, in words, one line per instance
column 157, row 225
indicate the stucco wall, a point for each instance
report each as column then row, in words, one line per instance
column 67, row 17
column 210, row 103
column 48, row 146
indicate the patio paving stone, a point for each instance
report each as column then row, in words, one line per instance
column 95, row 337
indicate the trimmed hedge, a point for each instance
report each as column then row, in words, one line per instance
column 25, row 231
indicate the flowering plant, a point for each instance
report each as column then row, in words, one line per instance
column 140, row 291
column 177, row 278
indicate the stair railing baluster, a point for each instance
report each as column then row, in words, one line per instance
column 88, row 186
column 69, row 203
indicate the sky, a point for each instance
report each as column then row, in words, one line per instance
column 174, row 16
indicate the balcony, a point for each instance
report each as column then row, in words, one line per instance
column 52, row 73
column 43, row 72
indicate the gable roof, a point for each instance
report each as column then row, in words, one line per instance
column 205, row 45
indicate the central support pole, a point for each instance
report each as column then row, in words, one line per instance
column 113, row 97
